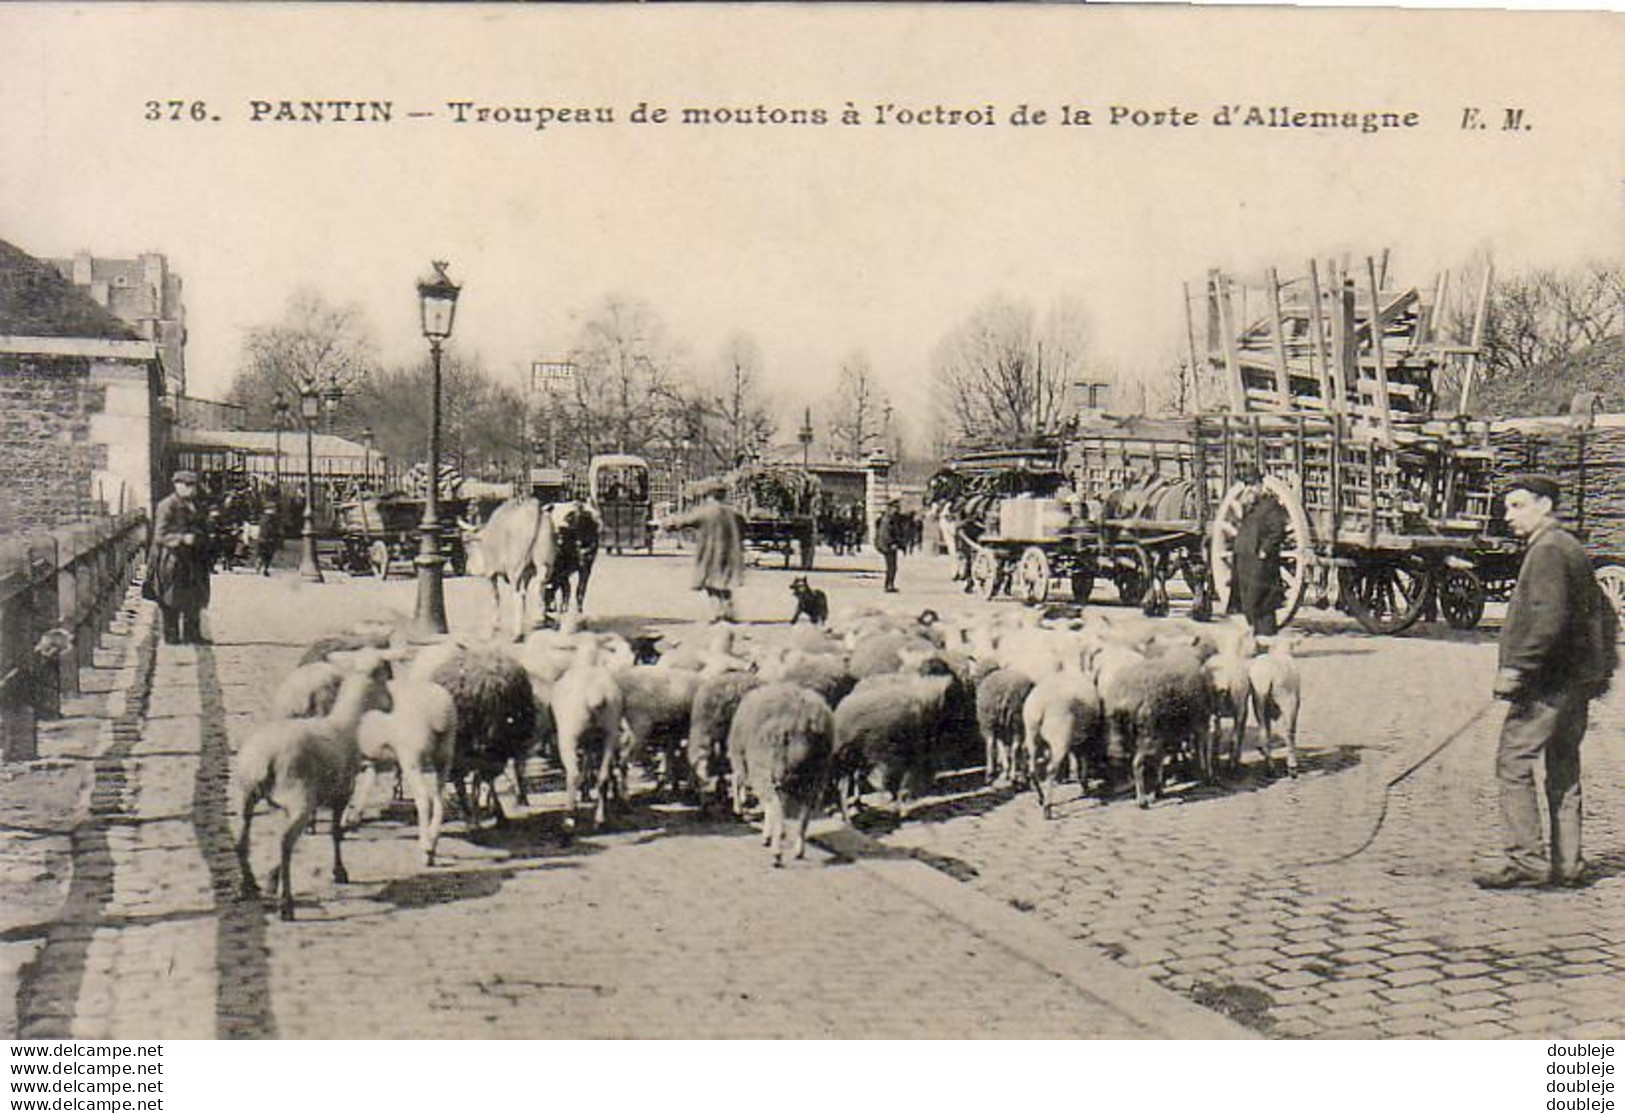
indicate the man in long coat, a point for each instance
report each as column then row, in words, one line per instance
column 889, row 540
column 1255, row 585
column 178, row 562
column 1557, row 653
column 719, row 554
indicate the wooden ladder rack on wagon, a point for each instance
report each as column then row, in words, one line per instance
column 1346, row 394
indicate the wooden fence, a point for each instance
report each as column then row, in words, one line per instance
column 59, row 592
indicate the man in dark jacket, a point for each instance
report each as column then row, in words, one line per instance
column 889, row 539
column 1551, row 665
column 1255, row 585
column 178, row 562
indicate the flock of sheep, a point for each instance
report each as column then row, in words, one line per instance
column 874, row 698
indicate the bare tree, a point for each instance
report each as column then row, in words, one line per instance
column 482, row 423
column 738, row 404
column 627, row 388
column 315, row 342
column 1000, row 376
column 857, row 413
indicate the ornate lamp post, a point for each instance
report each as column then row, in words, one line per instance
column 437, row 298
column 310, row 408
column 369, row 440
column 280, row 408
column 805, row 436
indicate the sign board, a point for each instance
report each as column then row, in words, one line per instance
column 552, row 377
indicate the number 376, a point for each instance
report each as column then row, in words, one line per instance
column 177, row 110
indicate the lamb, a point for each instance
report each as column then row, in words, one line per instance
column 656, row 705
column 714, row 649
column 779, row 745
column 880, row 653
column 1228, row 672
column 1061, row 718
column 496, row 716
column 1276, row 688
column 821, row 672
column 999, row 699
column 892, row 727
column 1157, row 707
column 418, row 737
column 366, row 635
column 300, row 765
column 587, row 712
column 716, row 701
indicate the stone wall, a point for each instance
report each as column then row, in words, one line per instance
column 78, row 438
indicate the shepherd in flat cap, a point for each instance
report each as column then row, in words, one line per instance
column 1557, row 654
column 719, row 555
column 178, row 562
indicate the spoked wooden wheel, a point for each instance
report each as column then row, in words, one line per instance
column 1461, row 597
column 1387, row 596
column 984, row 573
column 1611, row 577
column 1296, row 550
column 1031, row 581
column 378, row 558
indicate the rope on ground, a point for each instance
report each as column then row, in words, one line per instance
column 1394, row 781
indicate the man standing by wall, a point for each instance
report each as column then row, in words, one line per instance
column 178, row 562
column 1557, row 654
column 889, row 539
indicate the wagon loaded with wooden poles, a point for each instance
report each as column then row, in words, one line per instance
column 1348, row 397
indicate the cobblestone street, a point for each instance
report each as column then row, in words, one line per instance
column 1204, row 917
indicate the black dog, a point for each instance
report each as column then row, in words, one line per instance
column 809, row 601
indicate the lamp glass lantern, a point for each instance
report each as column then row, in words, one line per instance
column 310, row 402
column 437, row 301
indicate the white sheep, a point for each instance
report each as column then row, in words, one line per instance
column 1276, row 693
column 1228, row 672
column 1062, row 717
column 418, row 737
column 587, row 714
column 300, row 765
column 780, row 745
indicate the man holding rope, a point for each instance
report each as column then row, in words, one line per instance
column 1557, row 654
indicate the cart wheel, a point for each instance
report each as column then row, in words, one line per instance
column 1296, row 551
column 1611, row 578
column 378, row 559
column 984, row 573
column 1461, row 597
column 1387, row 596
column 1083, row 585
column 1031, row 581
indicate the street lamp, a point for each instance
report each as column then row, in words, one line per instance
column 368, row 440
column 280, row 408
column 437, row 300
column 806, row 437
column 310, row 408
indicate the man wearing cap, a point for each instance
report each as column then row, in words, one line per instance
column 889, row 539
column 1551, row 665
column 719, row 551
column 178, row 562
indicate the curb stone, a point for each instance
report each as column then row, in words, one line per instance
column 1166, row 1014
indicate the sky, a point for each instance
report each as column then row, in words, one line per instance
column 816, row 240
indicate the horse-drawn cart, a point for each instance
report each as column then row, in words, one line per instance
column 377, row 534
column 1389, row 508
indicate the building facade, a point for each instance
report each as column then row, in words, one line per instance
column 82, row 422
column 144, row 293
